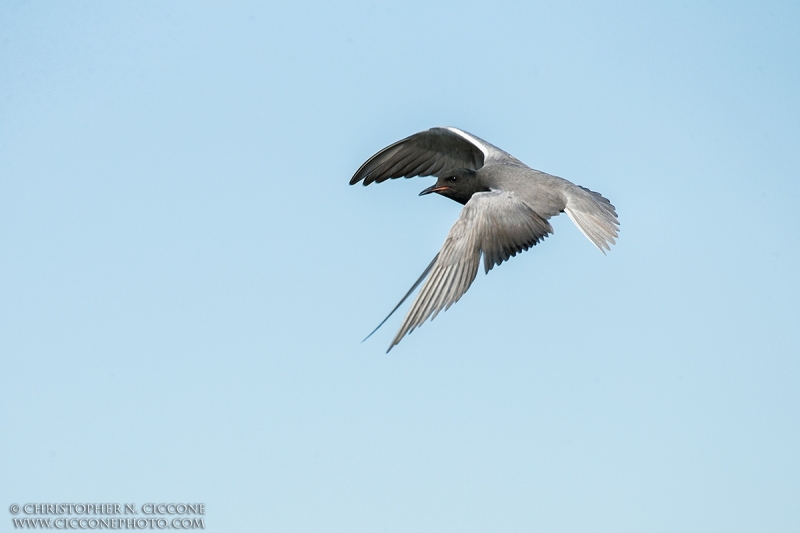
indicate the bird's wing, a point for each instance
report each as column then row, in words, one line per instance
column 427, row 153
column 497, row 224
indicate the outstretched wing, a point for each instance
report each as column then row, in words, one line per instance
column 427, row 153
column 497, row 224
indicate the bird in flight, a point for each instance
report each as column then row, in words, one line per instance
column 506, row 208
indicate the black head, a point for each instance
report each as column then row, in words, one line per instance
column 458, row 185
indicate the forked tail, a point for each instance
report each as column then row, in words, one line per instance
column 594, row 215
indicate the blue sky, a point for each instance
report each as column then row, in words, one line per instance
column 186, row 276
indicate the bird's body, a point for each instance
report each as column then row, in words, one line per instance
column 506, row 208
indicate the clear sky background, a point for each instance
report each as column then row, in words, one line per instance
column 186, row 275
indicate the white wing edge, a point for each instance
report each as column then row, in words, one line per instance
column 464, row 135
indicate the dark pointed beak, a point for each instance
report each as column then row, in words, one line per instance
column 434, row 188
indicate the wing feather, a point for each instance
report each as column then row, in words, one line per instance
column 497, row 224
column 426, row 153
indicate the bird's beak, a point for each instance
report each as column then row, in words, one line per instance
column 434, row 188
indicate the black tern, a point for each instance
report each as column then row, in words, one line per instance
column 506, row 208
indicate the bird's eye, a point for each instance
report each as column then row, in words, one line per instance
column 452, row 179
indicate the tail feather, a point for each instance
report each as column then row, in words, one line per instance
column 594, row 215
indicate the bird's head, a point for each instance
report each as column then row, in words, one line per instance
column 459, row 185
